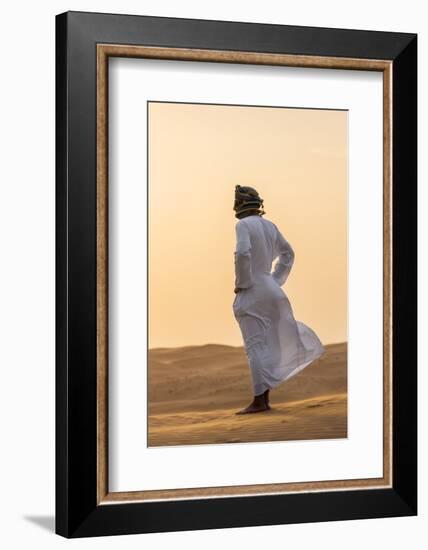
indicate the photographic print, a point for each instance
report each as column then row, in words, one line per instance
column 247, row 273
column 228, row 223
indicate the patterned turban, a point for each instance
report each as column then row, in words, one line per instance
column 247, row 198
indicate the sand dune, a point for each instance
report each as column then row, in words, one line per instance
column 194, row 392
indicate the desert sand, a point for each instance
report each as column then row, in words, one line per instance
column 194, row 392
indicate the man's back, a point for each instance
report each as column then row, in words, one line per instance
column 259, row 242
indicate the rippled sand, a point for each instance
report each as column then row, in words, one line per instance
column 194, row 392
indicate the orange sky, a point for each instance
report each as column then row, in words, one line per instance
column 297, row 160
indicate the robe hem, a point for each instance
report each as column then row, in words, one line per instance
column 290, row 374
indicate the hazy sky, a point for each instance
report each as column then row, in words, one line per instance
column 297, row 160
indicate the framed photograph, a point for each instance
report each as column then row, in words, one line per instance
column 236, row 274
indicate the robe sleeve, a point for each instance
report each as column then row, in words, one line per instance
column 285, row 261
column 243, row 274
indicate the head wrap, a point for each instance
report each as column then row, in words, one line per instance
column 247, row 198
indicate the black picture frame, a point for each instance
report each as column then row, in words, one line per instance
column 77, row 512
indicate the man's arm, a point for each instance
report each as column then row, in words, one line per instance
column 243, row 275
column 285, row 261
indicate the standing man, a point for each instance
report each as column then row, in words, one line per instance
column 277, row 346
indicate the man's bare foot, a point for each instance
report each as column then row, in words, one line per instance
column 266, row 396
column 258, row 405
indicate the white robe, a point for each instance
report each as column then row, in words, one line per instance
column 277, row 346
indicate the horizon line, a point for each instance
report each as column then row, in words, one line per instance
column 221, row 345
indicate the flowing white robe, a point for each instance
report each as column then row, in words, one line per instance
column 277, row 346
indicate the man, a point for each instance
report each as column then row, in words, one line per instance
column 277, row 346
